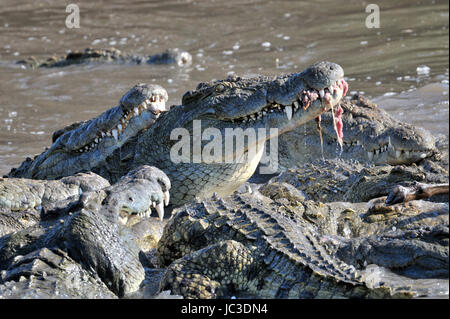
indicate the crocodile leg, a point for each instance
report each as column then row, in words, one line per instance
column 231, row 268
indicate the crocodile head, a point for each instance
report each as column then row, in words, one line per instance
column 135, row 194
column 370, row 135
column 84, row 145
column 219, row 109
column 181, row 58
column 281, row 103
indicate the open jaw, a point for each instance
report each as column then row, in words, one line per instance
column 326, row 96
column 127, row 212
column 88, row 144
column 136, row 193
column 321, row 99
column 139, row 108
column 278, row 104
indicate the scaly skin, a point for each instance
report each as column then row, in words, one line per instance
column 81, row 146
column 340, row 180
column 112, row 55
column 86, row 237
column 248, row 245
column 23, row 200
column 370, row 136
column 50, row 274
column 235, row 103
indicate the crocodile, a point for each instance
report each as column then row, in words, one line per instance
column 81, row 145
column 54, row 258
column 83, row 245
column 370, row 135
column 37, row 260
column 111, row 55
column 351, row 181
column 22, row 201
column 274, row 104
column 253, row 246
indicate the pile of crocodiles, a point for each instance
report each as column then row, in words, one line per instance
column 76, row 221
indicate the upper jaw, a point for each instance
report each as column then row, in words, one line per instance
column 143, row 96
column 303, row 98
column 126, row 212
column 154, row 103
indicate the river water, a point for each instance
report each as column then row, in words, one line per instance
column 403, row 65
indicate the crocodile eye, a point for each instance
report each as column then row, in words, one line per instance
column 220, row 88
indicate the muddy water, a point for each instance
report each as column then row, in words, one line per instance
column 403, row 65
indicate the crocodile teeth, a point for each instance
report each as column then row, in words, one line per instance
column 398, row 153
column 407, row 153
column 115, row 134
column 322, row 93
column 295, row 105
column 370, row 155
column 331, row 89
column 160, row 210
column 121, row 126
column 123, row 220
column 288, row 110
column 166, row 198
